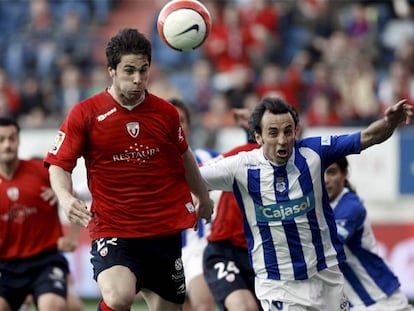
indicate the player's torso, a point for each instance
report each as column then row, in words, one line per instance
column 27, row 222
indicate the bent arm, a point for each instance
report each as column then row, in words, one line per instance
column 61, row 182
column 380, row 130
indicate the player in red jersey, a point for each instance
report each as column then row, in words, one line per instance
column 140, row 172
column 30, row 230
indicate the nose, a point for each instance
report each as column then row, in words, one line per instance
column 137, row 78
column 281, row 139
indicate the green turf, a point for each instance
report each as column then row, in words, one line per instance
column 91, row 304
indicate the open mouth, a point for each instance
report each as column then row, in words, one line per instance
column 281, row 153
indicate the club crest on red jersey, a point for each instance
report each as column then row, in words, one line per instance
column 13, row 193
column 133, row 129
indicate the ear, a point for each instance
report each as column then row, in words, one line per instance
column 111, row 72
column 298, row 131
column 258, row 138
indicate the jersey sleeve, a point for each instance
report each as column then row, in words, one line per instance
column 350, row 215
column 69, row 141
column 333, row 147
column 218, row 175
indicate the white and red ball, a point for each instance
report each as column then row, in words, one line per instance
column 184, row 24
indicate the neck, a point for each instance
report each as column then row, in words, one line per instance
column 7, row 170
column 121, row 100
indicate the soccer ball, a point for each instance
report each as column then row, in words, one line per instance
column 184, row 24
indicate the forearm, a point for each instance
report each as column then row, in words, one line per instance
column 193, row 176
column 61, row 182
column 376, row 133
column 382, row 129
column 76, row 210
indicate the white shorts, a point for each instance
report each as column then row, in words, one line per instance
column 396, row 302
column 323, row 292
column 192, row 256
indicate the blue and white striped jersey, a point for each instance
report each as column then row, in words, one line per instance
column 289, row 224
column 368, row 278
column 190, row 236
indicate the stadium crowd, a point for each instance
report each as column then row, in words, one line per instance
column 339, row 63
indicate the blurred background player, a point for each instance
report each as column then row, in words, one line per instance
column 30, row 230
column 369, row 282
column 198, row 294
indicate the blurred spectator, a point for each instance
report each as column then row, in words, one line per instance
column 71, row 90
column 398, row 84
column 397, row 32
column 356, row 82
column 99, row 80
column 273, row 79
column 73, row 42
column 31, row 95
column 229, row 41
column 306, row 24
column 321, row 83
column 405, row 54
column 9, row 96
column 219, row 116
column 196, row 85
column 33, row 49
column 160, row 86
column 262, row 18
column 322, row 111
column 242, row 78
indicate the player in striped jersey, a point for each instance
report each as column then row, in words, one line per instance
column 289, row 224
column 199, row 296
column 369, row 282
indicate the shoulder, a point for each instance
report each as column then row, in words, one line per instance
column 351, row 204
column 159, row 102
column 204, row 154
column 33, row 166
column 94, row 103
column 238, row 149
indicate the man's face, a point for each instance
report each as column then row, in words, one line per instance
column 278, row 137
column 9, row 143
column 130, row 78
column 334, row 180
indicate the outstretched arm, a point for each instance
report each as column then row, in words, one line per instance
column 382, row 129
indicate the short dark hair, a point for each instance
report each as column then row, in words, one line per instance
column 276, row 106
column 126, row 41
column 178, row 103
column 7, row 121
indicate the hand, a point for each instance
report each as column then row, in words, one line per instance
column 205, row 209
column 77, row 211
column 399, row 112
column 48, row 195
column 66, row 244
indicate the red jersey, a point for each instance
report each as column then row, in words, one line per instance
column 228, row 221
column 134, row 165
column 28, row 224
